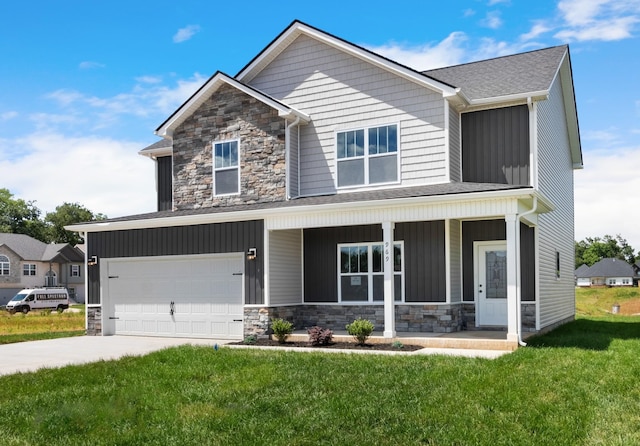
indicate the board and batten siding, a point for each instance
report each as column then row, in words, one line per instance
column 285, row 267
column 455, row 260
column 556, row 228
column 164, row 164
column 342, row 92
column 455, row 149
column 215, row 238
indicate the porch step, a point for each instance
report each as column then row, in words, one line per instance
column 470, row 340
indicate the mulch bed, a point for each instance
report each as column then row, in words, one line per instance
column 333, row 345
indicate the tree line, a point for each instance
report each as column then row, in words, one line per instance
column 593, row 249
column 18, row 216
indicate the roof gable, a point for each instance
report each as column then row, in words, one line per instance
column 167, row 128
column 27, row 248
column 298, row 28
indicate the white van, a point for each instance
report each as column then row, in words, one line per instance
column 39, row 298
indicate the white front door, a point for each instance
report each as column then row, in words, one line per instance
column 490, row 260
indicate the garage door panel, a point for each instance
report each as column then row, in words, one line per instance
column 206, row 292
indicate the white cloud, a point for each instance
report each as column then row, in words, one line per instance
column 604, row 20
column 185, row 33
column 104, row 175
column 539, row 27
column 447, row 52
column 605, row 198
column 492, row 20
column 5, row 116
column 87, row 65
column 495, row 2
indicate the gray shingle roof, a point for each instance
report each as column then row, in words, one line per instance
column 161, row 144
column 29, row 248
column 516, row 74
column 353, row 197
column 609, row 268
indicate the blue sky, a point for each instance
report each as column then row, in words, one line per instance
column 85, row 83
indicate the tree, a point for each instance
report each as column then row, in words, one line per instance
column 20, row 217
column 68, row 214
column 592, row 250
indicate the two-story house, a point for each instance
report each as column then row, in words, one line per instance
column 29, row 263
column 325, row 182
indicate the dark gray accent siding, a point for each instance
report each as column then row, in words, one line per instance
column 424, row 258
column 165, row 183
column 486, row 230
column 495, row 146
column 425, row 274
column 216, row 238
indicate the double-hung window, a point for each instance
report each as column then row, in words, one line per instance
column 75, row 270
column 29, row 269
column 5, row 269
column 361, row 272
column 367, row 156
column 226, row 172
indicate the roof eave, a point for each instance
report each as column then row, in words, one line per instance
column 199, row 97
column 298, row 28
column 185, row 220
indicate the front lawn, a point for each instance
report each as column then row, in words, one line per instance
column 40, row 324
column 577, row 385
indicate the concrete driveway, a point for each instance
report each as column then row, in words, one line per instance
column 34, row 355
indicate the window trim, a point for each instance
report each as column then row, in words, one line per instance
column 29, row 269
column 366, row 157
column 71, row 270
column 218, row 169
column 370, row 273
column 5, row 265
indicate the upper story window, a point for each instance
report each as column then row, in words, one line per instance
column 29, row 269
column 367, row 156
column 4, row 266
column 75, row 270
column 226, row 171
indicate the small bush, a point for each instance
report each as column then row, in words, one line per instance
column 281, row 329
column 397, row 345
column 360, row 329
column 251, row 339
column 320, row 336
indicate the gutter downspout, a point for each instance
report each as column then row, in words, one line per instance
column 287, row 156
column 534, row 208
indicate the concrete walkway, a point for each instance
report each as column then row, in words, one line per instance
column 51, row 353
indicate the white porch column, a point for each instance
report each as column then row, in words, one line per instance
column 513, row 239
column 389, row 299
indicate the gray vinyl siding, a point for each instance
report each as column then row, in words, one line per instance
column 182, row 240
column 285, row 267
column 455, row 150
column 165, row 183
column 495, row 146
column 342, row 92
column 294, row 160
column 455, row 260
column 556, row 228
column 424, row 257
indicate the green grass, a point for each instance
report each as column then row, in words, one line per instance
column 598, row 301
column 40, row 324
column 576, row 385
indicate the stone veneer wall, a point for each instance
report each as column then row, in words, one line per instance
column 409, row 318
column 229, row 114
column 94, row 321
column 15, row 268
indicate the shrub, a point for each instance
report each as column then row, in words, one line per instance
column 320, row 336
column 251, row 339
column 360, row 329
column 281, row 329
column 397, row 345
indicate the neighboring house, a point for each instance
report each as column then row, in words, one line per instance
column 582, row 277
column 29, row 263
column 606, row 272
column 324, row 182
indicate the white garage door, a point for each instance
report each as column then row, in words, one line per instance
column 181, row 296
